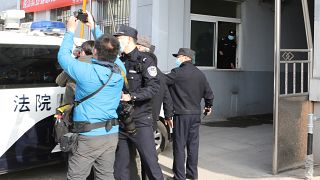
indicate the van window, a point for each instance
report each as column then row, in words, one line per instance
column 23, row 66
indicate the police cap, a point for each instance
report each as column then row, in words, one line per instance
column 186, row 52
column 123, row 30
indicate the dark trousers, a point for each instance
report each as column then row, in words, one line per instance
column 185, row 134
column 143, row 140
column 93, row 151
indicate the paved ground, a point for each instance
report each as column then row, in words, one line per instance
column 235, row 153
column 227, row 151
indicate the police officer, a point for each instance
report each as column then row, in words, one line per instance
column 187, row 85
column 143, row 85
column 227, row 51
column 163, row 97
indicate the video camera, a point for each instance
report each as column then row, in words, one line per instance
column 125, row 111
column 80, row 15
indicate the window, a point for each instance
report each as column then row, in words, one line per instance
column 28, row 17
column 202, row 41
column 111, row 13
column 60, row 14
column 28, row 66
column 215, row 28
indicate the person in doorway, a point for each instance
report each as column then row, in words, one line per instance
column 227, row 47
column 187, row 85
column 142, row 75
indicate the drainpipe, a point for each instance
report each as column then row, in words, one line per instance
column 277, row 30
column 309, row 159
column 309, row 162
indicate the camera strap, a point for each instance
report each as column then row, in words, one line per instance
column 115, row 68
column 123, row 74
column 76, row 103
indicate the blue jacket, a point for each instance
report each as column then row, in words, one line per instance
column 89, row 78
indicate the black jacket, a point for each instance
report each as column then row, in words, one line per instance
column 188, row 85
column 142, row 75
column 163, row 96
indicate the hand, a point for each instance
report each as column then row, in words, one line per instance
column 125, row 97
column 90, row 22
column 221, row 53
column 232, row 66
column 208, row 110
column 169, row 122
column 72, row 24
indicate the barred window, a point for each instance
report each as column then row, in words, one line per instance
column 60, row 14
column 112, row 13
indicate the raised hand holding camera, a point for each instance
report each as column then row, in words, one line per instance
column 72, row 24
column 90, row 20
column 81, row 16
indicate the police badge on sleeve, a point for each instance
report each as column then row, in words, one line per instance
column 152, row 70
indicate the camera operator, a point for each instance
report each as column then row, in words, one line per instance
column 95, row 147
column 143, row 80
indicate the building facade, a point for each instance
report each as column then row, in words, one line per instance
column 252, row 86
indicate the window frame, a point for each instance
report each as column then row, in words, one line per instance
column 216, row 20
column 27, row 48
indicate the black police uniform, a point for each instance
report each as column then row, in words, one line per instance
column 163, row 97
column 143, row 85
column 187, row 85
column 228, row 48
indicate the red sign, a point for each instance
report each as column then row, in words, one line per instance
column 42, row 5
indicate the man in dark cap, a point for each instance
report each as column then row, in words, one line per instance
column 142, row 75
column 227, row 51
column 187, row 85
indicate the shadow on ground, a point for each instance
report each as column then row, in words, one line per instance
column 243, row 121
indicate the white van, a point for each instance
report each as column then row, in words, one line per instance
column 28, row 98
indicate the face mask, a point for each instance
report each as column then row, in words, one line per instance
column 123, row 44
column 178, row 62
column 231, row 37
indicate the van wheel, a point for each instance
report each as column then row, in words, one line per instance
column 161, row 137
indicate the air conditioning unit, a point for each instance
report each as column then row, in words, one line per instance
column 12, row 18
